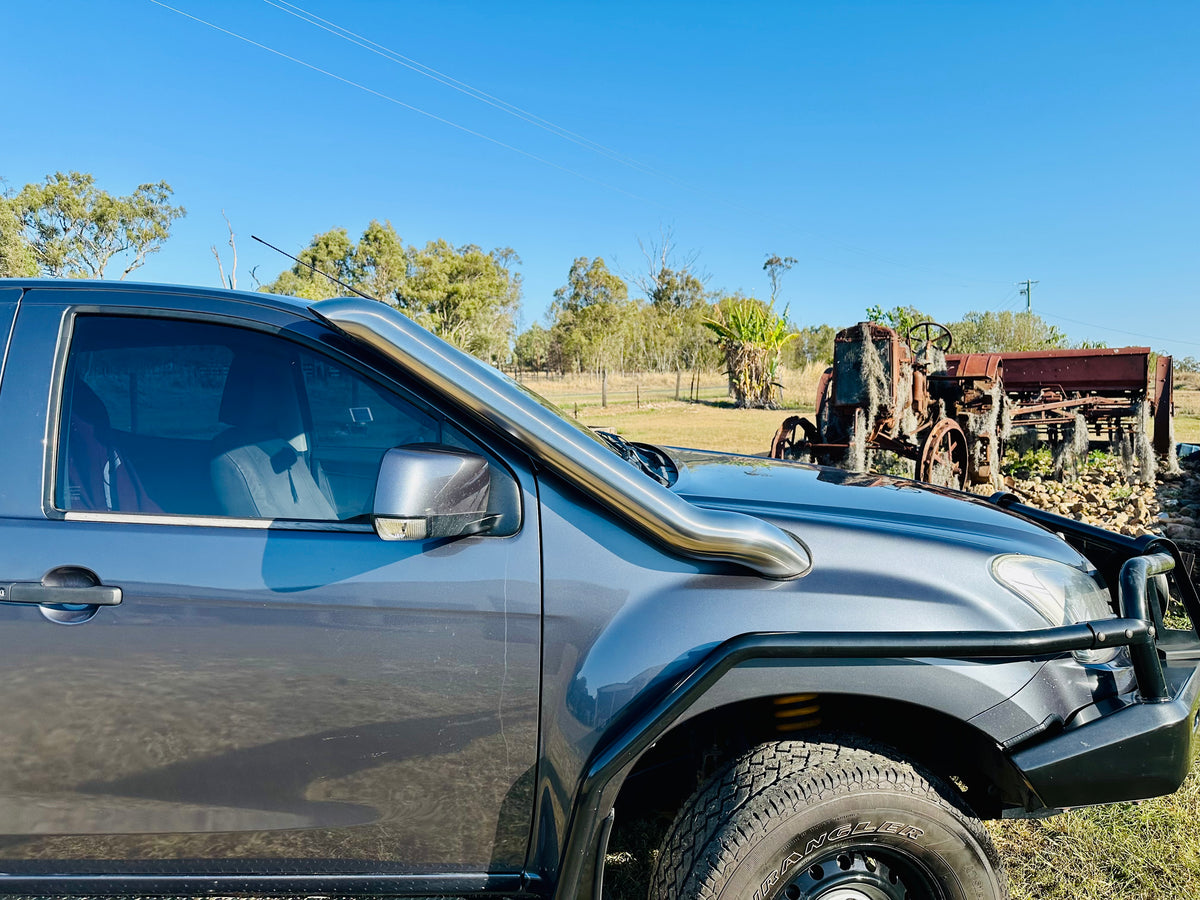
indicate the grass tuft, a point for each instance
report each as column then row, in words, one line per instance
column 1127, row 851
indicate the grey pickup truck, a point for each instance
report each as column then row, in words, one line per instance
column 297, row 598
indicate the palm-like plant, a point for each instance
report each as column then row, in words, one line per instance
column 752, row 337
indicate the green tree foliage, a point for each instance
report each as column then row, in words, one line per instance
column 464, row 295
column 673, row 336
column 595, row 325
column 813, row 344
column 593, row 319
column 76, row 229
column 990, row 332
column 331, row 253
column 1186, row 364
column 752, row 337
column 900, row 319
column 676, row 289
column 775, row 267
column 589, row 282
column 16, row 254
column 532, row 348
column 380, row 264
column 601, row 336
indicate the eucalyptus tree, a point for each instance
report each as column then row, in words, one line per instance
column 1007, row 331
column 775, row 267
column 593, row 318
column 812, row 344
column 76, row 229
column 464, row 294
column 532, row 348
column 674, row 287
column 17, row 259
column 328, row 255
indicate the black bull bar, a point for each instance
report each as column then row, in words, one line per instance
column 1145, row 748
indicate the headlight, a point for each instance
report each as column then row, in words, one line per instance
column 1062, row 594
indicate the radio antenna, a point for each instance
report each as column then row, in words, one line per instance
column 315, row 269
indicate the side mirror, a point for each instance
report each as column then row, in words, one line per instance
column 428, row 491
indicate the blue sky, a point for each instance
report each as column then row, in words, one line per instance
column 905, row 153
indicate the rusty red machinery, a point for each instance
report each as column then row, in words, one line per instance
column 1051, row 386
column 949, row 414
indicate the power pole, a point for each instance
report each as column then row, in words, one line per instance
column 1028, row 292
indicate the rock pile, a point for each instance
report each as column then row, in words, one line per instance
column 1103, row 494
column 1099, row 496
column 1179, row 501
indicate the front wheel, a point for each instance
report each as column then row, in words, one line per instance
column 801, row 820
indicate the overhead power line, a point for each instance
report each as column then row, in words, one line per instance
column 1148, row 337
column 398, row 102
column 530, row 118
column 1007, row 301
column 462, row 87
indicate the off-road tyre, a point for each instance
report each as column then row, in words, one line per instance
column 801, row 820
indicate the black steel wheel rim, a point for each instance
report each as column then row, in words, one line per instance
column 865, row 872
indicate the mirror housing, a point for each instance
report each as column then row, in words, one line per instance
column 431, row 491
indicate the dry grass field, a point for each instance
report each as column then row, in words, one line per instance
column 1187, row 407
column 644, row 408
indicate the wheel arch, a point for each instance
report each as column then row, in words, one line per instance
column 944, row 744
column 924, row 714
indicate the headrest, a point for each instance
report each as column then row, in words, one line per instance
column 261, row 395
column 87, row 406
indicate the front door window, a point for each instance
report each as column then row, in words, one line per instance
column 166, row 416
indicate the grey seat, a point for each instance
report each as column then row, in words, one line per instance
column 260, row 465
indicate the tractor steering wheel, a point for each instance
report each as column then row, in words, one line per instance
column 937, row 335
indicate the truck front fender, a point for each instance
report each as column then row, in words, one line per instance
column 639, row 725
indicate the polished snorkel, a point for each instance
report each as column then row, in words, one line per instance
column 566, row 449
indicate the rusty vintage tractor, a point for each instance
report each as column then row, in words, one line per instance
column 947, row 415
column 898, row 395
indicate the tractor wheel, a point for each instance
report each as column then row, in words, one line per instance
column 783, row 445
column 824, row 388
column 943, row 458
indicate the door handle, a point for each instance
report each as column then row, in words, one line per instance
column 59, row 595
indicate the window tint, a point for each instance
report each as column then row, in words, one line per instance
column 354, row 423
column 165, row 391
column 192, row 418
